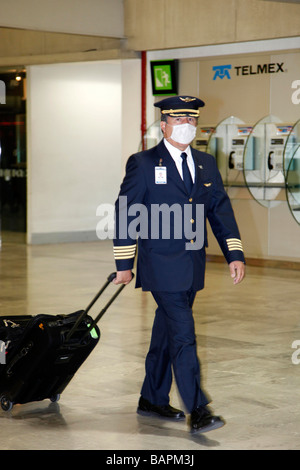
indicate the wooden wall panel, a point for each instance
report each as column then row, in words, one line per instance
column 167, row 24
column 188, row 22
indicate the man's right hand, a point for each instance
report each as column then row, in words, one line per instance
column 123, row 277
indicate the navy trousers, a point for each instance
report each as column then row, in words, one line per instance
column 173, row 346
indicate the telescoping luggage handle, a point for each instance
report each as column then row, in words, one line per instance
column 110, row 278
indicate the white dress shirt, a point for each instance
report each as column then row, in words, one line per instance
column 176, row 155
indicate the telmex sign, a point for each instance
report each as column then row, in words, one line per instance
column 225, row 71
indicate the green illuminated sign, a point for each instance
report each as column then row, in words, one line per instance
column 164, row 77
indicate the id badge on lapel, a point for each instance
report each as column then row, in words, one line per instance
column 160, row 175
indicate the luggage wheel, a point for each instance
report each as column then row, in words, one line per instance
column 6, row 404
column 55, row 398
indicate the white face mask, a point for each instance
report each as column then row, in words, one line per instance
column 183, row 133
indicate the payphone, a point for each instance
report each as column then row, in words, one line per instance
column 226, row 144
column 276, row 146
column 237, row 147
column 203, row 137
column 263, row 161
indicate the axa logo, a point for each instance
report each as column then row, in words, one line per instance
column 223, row 71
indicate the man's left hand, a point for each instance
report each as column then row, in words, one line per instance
column 237, row 271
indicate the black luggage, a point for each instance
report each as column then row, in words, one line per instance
column 43, row 352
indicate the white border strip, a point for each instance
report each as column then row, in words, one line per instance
column 270, row 45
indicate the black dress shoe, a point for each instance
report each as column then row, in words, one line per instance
column 203, row 421
column 146, row 408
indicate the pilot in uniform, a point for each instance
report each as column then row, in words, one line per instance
column 167, row 195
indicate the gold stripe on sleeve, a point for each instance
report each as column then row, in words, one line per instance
column 124, row 252
column 234, row 244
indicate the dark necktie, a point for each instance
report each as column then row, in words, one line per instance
column 186, row 173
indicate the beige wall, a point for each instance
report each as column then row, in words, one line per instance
column 268, row 233
column 249, row 97
column 28, row 47
column 164, row 24
column 46, row 32
column 15, row 42
column 91, row 17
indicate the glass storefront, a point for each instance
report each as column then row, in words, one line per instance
column 12, row 152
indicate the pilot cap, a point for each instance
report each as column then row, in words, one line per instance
column 180, row 106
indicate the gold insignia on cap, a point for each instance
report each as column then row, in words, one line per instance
column 181, row 112
column 187, row 100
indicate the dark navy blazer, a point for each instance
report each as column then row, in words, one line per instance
column 164, row 263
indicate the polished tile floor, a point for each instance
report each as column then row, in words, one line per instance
column 245, row 336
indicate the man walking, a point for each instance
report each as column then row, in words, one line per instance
column 173, row 175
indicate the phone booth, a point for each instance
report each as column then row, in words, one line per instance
column 292, row 141
column 292, row 171
column 237, row 147
column 263, row 161
column 203, row 136
column 226, row 144
column 276, row 147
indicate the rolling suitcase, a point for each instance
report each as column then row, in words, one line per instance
column 43, row 352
